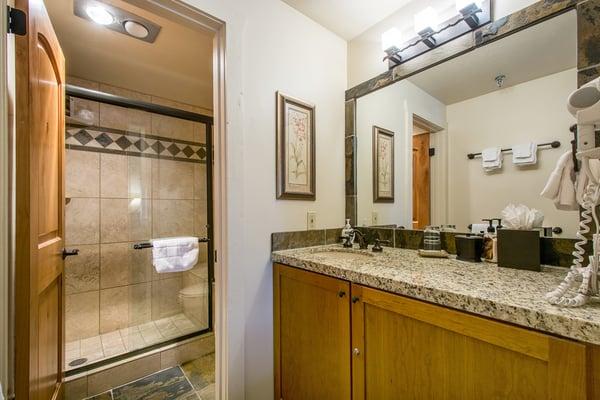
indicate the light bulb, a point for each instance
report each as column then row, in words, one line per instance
column 462, row 4
column 100, row 15
column 427, row 18
column 391, row 38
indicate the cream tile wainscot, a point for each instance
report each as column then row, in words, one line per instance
column 393, row 325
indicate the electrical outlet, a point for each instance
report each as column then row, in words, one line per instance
column 311, row 220
column 375, row 218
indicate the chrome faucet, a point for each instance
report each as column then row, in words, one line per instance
column 363, row 243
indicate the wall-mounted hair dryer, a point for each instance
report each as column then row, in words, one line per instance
column 584, row 104
column 582, row 282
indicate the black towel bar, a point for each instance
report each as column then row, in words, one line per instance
column 555, row 144
column 148, row 245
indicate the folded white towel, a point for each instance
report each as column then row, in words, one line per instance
column 174, row 254
column 491, row 159
column 525, row 154
column 560, row 187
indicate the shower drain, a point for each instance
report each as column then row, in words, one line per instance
column 77, row 362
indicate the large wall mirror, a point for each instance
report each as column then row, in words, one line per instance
column 509, row 93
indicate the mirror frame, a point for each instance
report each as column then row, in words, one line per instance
column 588, row 66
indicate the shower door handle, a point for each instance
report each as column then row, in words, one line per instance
column 203, row 240
column 67, row 253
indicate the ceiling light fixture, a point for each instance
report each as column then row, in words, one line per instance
column 116, row 19
column 136, row 29
column 100, row 15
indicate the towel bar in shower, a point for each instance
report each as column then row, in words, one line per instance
column 555, row 144
column 148, row 245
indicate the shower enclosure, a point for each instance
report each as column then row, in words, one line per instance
column 137, row 168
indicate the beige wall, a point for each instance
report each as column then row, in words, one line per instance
column 115, row 200
column 532, row 111
column 365, row 57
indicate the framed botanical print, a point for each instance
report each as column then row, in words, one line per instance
column 295, row 149
column 383, row 165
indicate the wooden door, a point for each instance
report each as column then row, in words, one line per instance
column 40, row 203
column 408, row 349
column 312, row 335
column 421, row 181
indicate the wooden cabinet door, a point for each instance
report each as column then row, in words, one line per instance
column 312, row 336
column 40, row 201
column 408, row 349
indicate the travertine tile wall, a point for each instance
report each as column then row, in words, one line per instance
column 115, row 200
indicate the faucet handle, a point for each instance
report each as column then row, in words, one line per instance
column 347, row 240
column 377, row 246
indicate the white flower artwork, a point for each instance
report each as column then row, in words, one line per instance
column 295, row 149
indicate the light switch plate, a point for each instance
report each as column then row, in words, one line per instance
column 375, row 218
column 311, row 220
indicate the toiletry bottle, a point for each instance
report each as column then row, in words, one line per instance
column 489, row 242
column 347, row 230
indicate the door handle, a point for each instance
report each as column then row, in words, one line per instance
column 67, row 253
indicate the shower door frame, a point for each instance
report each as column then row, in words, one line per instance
column 208, row 121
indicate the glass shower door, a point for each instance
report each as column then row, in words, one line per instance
column 136, row 171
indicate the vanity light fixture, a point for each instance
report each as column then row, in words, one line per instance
column 391, row 40
column 426, row 20
column 468, row 10
column 431, row 33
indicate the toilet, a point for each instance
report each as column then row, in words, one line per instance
column 194, row 299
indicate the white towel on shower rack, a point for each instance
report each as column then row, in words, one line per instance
column 174, row 254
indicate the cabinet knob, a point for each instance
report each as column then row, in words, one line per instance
column 341, row 293
column 355, row 299
column 356, row 351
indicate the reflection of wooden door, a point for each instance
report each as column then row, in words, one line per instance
column 312, row 335
column 40, row 203
column 421, row 181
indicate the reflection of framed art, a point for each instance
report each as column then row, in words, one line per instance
column 383, row 165
column 295, row 149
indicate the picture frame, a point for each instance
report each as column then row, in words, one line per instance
column 295, row 149
column 383, row 165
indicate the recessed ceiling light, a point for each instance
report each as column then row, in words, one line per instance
column 100, row 15
column 136, row 29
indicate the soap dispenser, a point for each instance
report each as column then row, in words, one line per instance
column 490, row 242
column 347, row 231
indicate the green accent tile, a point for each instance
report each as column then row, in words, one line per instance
column 294, row 240
column 169, row 384
column 200, row 372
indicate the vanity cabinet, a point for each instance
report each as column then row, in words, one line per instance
column 336, row 340
column 312, row 336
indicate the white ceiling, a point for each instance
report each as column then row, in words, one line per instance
column 541, row 50
column 177, row 66
column 347, row 18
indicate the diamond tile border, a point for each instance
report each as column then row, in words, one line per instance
column 113, row 141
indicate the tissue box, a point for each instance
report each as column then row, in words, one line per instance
column 519, row 249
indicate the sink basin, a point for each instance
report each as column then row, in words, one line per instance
column 344, row 255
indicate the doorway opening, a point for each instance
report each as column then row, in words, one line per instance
column 421, row 167
column 125, row 159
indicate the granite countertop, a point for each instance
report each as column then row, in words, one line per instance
column 510, row 295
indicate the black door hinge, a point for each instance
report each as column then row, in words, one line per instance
column 17, row 21
column 432, row 152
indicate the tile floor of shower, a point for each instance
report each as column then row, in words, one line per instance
column 115, row 343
